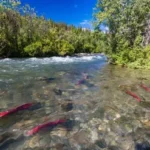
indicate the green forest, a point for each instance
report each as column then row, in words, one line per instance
column 126, row 43
column 24, row 34
column 128, row 39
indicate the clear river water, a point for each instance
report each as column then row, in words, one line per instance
column 86, row 92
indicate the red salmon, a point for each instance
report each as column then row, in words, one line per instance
column 145, row 87
column 14, row 110
column 39, row 127
column 134, row 96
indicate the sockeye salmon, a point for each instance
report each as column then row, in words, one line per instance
column 145, row 87
column 16, row 109
column 134, row 96
column 39, row 127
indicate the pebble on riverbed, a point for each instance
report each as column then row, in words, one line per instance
column 132, row 87
column 38, row 142
column 146, row 123
column 61, row 132
column 34, row 142
column 81, row 137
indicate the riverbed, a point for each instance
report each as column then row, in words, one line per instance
column 86, row 92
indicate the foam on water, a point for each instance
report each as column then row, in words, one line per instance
column 18, row 68
column 56, row 60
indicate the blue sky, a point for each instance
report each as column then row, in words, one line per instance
column 76, row 12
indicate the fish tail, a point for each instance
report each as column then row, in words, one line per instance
column 145, row 87
column 14, row 110
column 37, row 128
column 33, row 131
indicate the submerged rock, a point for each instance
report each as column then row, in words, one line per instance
column 61, row 132
column 34, row 142
column 38, row 142
column 94, row 135
column 67, row 105
column 58, row 91
column 146, row 123
column 81, row 137
column 101, row 143
column 9, row 137
column 142, row 146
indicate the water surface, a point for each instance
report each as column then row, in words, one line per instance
column 86, row 92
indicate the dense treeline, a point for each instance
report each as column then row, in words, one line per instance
column 24, row 34
column 127, row 40
column 128, row 37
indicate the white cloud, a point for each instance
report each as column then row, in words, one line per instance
column 86, row 24
column 104, row 28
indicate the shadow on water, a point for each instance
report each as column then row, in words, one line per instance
column 46, row 79
column 8, row 139
column 142, row 146
column 67, row 105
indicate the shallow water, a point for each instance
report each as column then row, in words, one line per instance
column 86, row 92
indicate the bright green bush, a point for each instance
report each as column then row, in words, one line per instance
column 34, row 49
column 65, row 48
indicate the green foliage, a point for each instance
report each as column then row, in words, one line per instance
column 24, row 34
column 34, row 49
column 129, row 28
column 65, row 48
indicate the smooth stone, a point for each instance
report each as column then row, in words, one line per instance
column 117, row 116
column 81, row 137
column 94, row 135
column 34, row 142
column 128, row 144
column 57, row 91
column 61, row 132
column 146, row 123
column 100, row 128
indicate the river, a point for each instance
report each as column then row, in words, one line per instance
column 86, row 92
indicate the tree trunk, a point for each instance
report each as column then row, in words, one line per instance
column 147, row 34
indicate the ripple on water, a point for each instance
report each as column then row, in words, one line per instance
column 99, row 114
